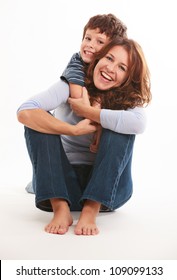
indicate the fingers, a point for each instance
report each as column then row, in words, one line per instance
column 93, row 148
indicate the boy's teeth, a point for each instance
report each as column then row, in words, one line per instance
column 88, row 52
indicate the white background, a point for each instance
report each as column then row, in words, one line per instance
column 38, row 37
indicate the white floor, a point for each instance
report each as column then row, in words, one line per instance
column 145, row 228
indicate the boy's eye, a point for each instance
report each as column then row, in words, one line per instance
column 100, row 42
column 87, row 38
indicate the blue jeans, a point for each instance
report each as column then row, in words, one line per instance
column 108, row 181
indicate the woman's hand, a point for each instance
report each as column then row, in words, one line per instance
column 84, row 127
column 80, row 105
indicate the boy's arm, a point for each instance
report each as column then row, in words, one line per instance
column 131, row 121
column 75, row 90
column 74, row 75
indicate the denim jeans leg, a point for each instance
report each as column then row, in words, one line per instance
column 111, row 180
column 53, row 175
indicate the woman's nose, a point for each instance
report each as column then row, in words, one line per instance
column 110, row 67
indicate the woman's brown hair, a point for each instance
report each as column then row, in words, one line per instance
column 135, row 91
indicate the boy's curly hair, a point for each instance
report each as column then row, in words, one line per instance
column 108, row 24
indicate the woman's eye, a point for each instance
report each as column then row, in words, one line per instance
column 122, row 68
column 109, row 58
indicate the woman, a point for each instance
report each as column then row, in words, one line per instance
column 66, row 175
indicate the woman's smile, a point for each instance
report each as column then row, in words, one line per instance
column 112, row 69
column 105, row 76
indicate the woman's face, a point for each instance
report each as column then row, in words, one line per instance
column 111, row 70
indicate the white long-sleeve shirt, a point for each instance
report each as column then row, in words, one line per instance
column 131, row 121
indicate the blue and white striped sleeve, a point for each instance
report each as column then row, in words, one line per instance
column 74, row 72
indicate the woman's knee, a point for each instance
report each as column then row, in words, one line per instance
column 113, row 141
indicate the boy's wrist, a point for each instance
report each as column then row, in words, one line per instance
column 92, row 113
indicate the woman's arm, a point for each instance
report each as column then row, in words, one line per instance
column 33, row 113
column 132, row 121
column 49, row 99
column 44, row 122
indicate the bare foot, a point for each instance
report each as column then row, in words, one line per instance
column 87, row 221
column 62, row 218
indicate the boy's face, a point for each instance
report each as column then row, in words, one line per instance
column 93, row 42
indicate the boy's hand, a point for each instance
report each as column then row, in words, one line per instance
column 96, row 140
column 80, row 105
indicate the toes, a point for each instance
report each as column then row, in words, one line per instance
column 51, row 229
column 56, row 229
column 95, row 231
column 48, row 228
column 62, row 230
column 78, row 231
column 92, row 231
column 86, row 230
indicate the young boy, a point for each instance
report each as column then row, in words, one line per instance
column 98, row 32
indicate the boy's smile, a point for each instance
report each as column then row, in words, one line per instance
column 93, row 42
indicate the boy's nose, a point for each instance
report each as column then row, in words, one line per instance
column 90, row 44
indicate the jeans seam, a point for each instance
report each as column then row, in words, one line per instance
column 118, row 176
column 53, row 190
